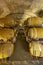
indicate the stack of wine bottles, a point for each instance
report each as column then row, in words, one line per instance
column 34, row 35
